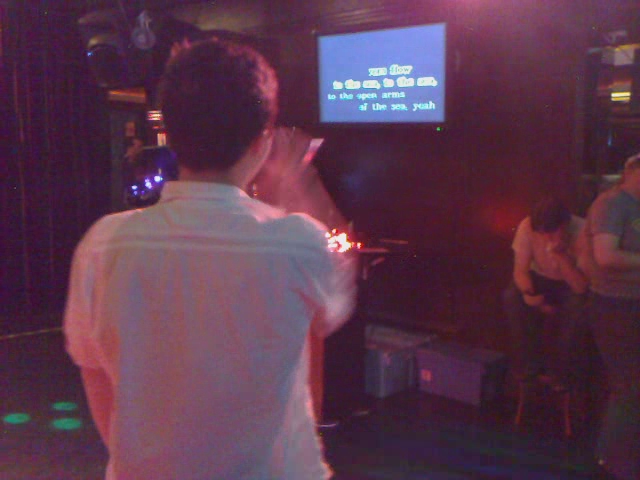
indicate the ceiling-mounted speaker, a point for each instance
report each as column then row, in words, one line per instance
column 113, row 58
column 106, row 60
column 125, row 53
column 142, row 36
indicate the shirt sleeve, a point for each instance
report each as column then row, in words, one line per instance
column 329, row 281
column 339, row 296
column 77, row 323
column 605, row 218
column 522, row 239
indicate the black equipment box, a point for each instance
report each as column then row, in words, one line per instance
column 469, row 375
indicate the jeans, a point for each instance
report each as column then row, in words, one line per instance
column 528, row 326
column 616, row 328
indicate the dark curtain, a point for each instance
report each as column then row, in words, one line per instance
column 54, row 170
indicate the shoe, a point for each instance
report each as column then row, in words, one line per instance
column 361, row 412
column 327, row 424
column 529, row 374
column 601, row 472
column 552, row 381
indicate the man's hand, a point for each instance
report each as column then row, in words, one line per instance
column 533, row 300
column 547, row 309
column 289, row 148
column 100, row 396
column 280, row 173
column 537, row 301
column 570, row 272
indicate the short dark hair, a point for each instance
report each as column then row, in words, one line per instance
column 549, row 214
column 216, row 97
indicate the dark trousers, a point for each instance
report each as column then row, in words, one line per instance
column 532, row 351
column 616, row 329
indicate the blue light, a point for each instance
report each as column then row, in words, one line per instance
column 158, row 179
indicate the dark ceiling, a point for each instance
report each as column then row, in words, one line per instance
column 84, row 6
column 607, row 14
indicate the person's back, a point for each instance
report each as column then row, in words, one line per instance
column 194, row 313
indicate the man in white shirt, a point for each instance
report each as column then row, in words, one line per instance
column 547, row 286
column 189, row 319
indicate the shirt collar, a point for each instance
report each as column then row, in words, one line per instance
column 174, row 190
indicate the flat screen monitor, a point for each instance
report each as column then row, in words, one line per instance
column 390, row 76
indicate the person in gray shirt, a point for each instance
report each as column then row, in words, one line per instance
column 612, row 261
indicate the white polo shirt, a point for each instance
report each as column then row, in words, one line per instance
column 198, row 309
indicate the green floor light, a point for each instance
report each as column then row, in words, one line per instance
column 16, row 418
column 65, row 406
column 66, row 423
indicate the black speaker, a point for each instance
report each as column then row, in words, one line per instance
column 125, row 52
column 113, row 59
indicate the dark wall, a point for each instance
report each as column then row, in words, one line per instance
column 456, row 195
column 515, row 100
column 54, row 178
column 512, row 108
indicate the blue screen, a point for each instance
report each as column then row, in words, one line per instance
column 384, row 76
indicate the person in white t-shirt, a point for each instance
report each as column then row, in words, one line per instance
column 547, row 286
column 190, row 319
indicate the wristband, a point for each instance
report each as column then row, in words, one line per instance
column 530, row 293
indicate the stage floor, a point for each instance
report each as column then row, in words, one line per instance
column 47, row 431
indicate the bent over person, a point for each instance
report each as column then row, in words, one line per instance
column 547, row 286
column 189, row 319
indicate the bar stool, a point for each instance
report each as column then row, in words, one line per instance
column 543, row 386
